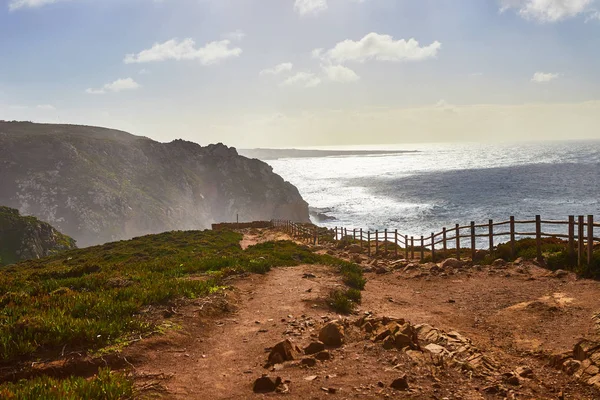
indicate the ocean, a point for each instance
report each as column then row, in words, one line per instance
column 441, row 185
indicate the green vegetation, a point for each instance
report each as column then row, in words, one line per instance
column 97, row 299
column 90, row 298
column 344, row 301
column 16, row 229
column 104, row 386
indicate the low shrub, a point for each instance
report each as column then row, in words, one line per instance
column 104, row 386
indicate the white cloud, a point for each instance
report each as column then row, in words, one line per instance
column 46, row 107
column 279, row 68
column 544, row 77
column 18, row 4
column 144, row 71
column 304, row 79
column 174, row 49
column 317, row 53
column 235, row 35
column 547, row 10
column 339, row 73
column 116, row 86
column 305, row 7
column 381, row 48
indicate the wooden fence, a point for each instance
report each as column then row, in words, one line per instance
column 578, row 232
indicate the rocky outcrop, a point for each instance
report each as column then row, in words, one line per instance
column 25, row 238
column 99, row 185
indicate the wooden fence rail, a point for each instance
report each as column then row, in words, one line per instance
column 580, row 241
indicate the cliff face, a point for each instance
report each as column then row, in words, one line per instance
column 100, row 185
column 24, row 238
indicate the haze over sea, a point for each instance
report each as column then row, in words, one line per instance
column 444, row 184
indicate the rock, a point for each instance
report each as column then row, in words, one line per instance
column 560, row 273
column 265, row 384
column 436, row 349
column 571, row 366
column 314, row 348
column 311, row 378
column 323, row 355
column 332, row 334
column 24, row 238
column 511, row 379
column 309, row 362
column 499, row 263
column 518, row 261
column 354, row 249
column 357, row 259
column 402, row 341
column 584, row 348
column 400, row 383
column 282, row 351
column 381, row 270
column 309, row 276
column 452, row 263
column 480, row 255
column 524, row 372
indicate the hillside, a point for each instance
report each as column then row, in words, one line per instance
column 98, row 185
column 24, row 238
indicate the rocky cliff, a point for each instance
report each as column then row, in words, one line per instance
column 24, row 238
column 100, row 185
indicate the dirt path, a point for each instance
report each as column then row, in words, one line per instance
column 220, row 359
column 514, row 315
column 255, row 236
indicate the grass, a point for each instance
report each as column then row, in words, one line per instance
column 344, row 301
column 94, row 300
column 104, row 386
column 89, row 298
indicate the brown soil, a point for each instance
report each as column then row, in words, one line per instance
column 517, row 316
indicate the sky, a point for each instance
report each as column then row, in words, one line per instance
column 296, row 73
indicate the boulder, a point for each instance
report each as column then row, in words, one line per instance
column 309, row 362
column 400, row 383
column 571, row 366
column 282, row 351
column 354, row 249
column 323, row 355
column 332, row 334
column 314, row 348
column 560, row 273
column 264, row 384
column 584, row 348
column 524, row 372
column 452, row 263
column 499, row 262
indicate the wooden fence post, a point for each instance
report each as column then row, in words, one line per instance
column 354, row 233
column 315, row 237
column 396, row 243
column 444, row 240
column 422, row 249
column 513, row 251
column 345, row 232
column 571, row 238
column 369, row 242
column 376, row 241
column 538, row 237
column 412, row 247
column 473, row 249
column 406, row 247
column 590, row 240
column 491, row 232
column 385, row 244
column 361, row 239
column 432, row 247
column 580, row 240
column 457, row 241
